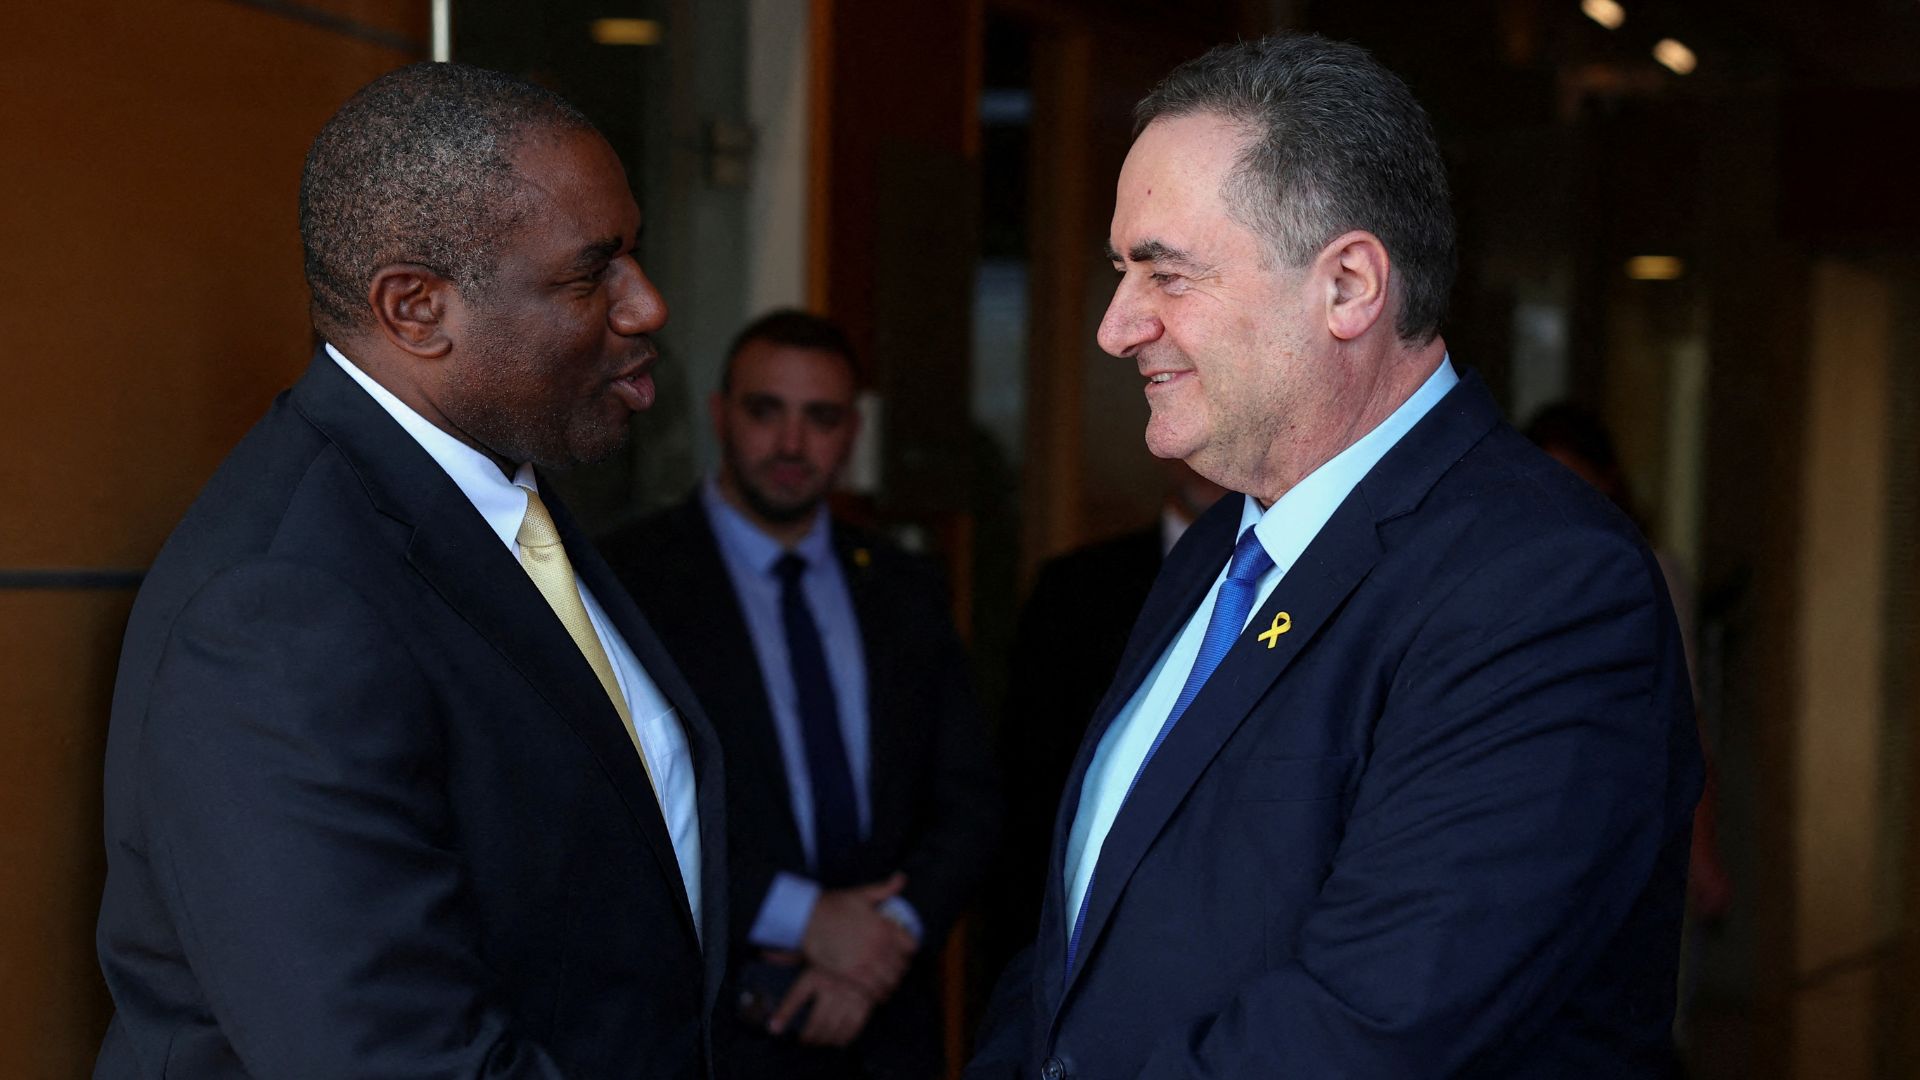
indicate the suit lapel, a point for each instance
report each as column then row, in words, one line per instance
column 702, row 741
column 1304, row 601
column 507, row 610
column 1185, row 576
column 1184, row 579
column 593, row 572
column 856, row 568
column 1311, row 594
column 463, row 560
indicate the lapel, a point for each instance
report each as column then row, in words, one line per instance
column 1311, row 594
column 702, row 741
column 592, row 570
column 1185, row 575
column 879, row 645
column 452, row 548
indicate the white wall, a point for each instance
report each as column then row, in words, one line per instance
column 777, row 75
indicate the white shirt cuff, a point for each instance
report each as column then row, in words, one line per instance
column 897, row 909
column 785, row 913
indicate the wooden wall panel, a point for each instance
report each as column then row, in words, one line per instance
column 151, row 304
column 60, row 649
column 151, row 301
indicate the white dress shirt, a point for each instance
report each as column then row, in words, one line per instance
column 656, row 723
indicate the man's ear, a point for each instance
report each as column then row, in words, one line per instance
column 717, row 413
column 410, row 305
column 1358, row 272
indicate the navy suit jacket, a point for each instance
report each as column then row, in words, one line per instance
column 1439, row 827
column 936, row 806
column 368, row 811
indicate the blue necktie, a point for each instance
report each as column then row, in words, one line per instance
column 836, row 816
column 1230, row 610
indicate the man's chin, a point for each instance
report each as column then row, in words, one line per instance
column 581, row 453
column 780, row 510
column 1165, row 443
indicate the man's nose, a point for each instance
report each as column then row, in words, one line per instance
column 637, row 306
column 1129, row 322
column 793, row 435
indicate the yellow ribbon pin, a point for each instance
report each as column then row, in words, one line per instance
column 1282, row 623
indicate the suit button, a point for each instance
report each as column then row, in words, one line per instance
column 1053, row 1069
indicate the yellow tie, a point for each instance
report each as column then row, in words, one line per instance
column 545, row 559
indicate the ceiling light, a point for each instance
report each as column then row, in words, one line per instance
column 1655, row 268
column 1674, row 56
column 1607, row 13
column 626, row 31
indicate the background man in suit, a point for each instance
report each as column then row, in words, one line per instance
column 861, row 805
column 399, row 783
column 1395, row 777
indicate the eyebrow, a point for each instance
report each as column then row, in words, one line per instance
column 1155, row 252
column 596, row 253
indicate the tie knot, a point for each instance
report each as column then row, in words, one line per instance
column 536, row 528
column 789, row 567
column 1250, row 558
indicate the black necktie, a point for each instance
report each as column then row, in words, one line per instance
column 836, row 817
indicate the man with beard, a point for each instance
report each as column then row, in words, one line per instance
column 398, row 781
column 861, row 806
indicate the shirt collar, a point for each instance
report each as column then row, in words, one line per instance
column 741, row 539
column 499, row 500
column 1291, row 523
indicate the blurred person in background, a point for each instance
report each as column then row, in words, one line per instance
column 861, row 803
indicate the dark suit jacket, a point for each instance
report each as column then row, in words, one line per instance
column 1438, row 828
column 932, row 788
column 1072, row 633
column 368, row 811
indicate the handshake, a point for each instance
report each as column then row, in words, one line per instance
column 852, row 957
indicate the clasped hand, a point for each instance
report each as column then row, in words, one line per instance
column 856, row 957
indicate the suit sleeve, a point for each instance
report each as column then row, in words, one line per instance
column 1524, row 780
column 294, row 777
column 950, row 858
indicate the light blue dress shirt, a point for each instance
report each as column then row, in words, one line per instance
column 749, row 556
column 656, row 723
column 1284, row 529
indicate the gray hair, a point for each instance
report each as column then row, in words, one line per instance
column 1336, row 142
column 418, row 167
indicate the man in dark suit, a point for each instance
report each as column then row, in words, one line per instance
column 399, row 783
column 861, row 806
column 1396, row 774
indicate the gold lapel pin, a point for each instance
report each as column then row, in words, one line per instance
column 862, row 558
column 1282, row 623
